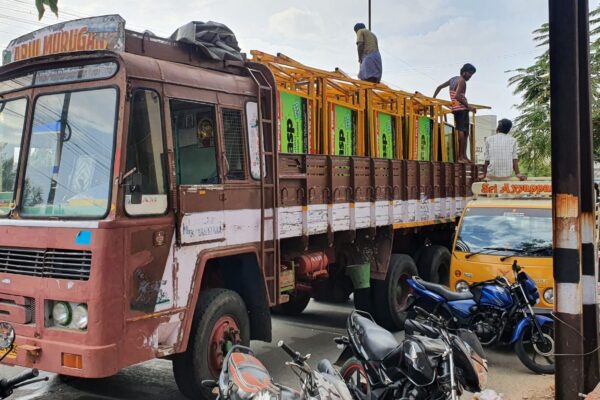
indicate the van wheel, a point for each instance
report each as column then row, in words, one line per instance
column 220, row 322
column 434, row 265
column 297, row 303
column 390, row 296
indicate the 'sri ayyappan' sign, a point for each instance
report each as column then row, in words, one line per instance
column 513, row 189
column 88, row 34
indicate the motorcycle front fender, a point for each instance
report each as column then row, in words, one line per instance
column 526, row 322
column 345, row 356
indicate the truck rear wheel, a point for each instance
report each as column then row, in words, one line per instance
column 297, row 303
column 390, row 295
column 220, row 321
column 434, row 264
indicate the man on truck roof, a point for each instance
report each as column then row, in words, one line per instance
column 501, row 154
column 460, row 107
column 368, row 54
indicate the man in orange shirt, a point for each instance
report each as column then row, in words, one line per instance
column 460, row 107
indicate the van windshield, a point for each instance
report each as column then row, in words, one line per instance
column 68, row 171
column 506, row 231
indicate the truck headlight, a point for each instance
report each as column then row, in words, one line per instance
column 462, row 286
column 549, row 295
column 80, row 316
column 61, row 313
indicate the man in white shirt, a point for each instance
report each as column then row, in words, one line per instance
column 501, row 154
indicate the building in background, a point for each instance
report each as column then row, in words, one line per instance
column 486, row 126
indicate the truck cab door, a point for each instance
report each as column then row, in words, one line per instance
column 200, row 190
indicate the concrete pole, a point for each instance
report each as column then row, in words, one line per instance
column 564, row 85
column 369, row 14
column 588, row 199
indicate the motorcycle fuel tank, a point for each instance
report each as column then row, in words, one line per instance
column 494, row 295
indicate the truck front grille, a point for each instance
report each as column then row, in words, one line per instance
column 50, row 263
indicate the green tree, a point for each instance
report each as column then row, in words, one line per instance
column 42, row 4
column 532, row 126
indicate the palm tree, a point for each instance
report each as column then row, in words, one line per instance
column 532, row 126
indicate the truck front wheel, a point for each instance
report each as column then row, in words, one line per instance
column 220, row 321
column 391, row 295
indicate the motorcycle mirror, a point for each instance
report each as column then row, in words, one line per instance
column 7, row 336
column 515, row 267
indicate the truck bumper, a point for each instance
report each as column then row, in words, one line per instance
column 83, row 361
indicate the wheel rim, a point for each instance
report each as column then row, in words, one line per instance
column 355, row 375
column 401, row 291
column 540, row 350
column 225, row 334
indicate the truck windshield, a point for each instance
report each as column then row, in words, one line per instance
column 506, row 231
column 12, row 122
column 70, row 154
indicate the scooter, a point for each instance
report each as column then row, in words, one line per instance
column 244, row 377
column 7, row 386
column 430, row 363
column 497, row 312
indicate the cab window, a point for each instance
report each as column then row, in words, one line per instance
column 234, row 145
column 194, row 134
column 145, row 154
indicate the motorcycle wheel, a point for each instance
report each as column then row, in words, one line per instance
column 536, row 355
column 355, row 377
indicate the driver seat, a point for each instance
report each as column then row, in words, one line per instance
column 377, row 341
column 444, row 291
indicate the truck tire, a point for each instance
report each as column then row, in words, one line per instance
column 434, row 264
column 298, row 303
column 391, row 294
column 220, row 321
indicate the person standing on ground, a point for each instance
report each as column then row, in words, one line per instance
column 460, row 107
column 501, row 154
column 369, row 57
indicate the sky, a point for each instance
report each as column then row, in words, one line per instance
column 423, row 42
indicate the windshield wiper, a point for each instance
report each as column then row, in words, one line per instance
column 488, row 249
column 532, row 251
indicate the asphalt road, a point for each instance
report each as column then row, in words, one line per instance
column 312, row 332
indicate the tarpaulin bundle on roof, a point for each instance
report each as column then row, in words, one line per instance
column 215, row 40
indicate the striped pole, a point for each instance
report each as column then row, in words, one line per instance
column 589, row 252
column 564, row 73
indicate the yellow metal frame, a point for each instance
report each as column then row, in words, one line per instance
column 324, row 89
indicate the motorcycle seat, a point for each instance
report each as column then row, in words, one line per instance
column 444, row 291
column 377, row 341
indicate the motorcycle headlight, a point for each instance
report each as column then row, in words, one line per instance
column 61, row 313
column 462, row 286
column 80, row 316
column 549, row 295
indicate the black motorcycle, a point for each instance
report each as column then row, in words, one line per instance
column 430, row 363
column 7, row 342
column 244, row 377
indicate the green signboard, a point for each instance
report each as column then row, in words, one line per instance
column 424, row 140
column 293, row 137
column 449, row 138
column 385, row 136
column 343, row 131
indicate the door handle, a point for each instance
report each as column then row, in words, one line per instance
column 222, row 197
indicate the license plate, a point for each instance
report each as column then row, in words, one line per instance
column 12, row 354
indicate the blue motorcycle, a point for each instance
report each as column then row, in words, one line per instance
column 498, row 312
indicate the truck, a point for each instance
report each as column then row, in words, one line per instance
column 157, row 201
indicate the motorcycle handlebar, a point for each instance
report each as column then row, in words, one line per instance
column 25, row 376
column 294, row 354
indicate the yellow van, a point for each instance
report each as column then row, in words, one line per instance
column 506, row 220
